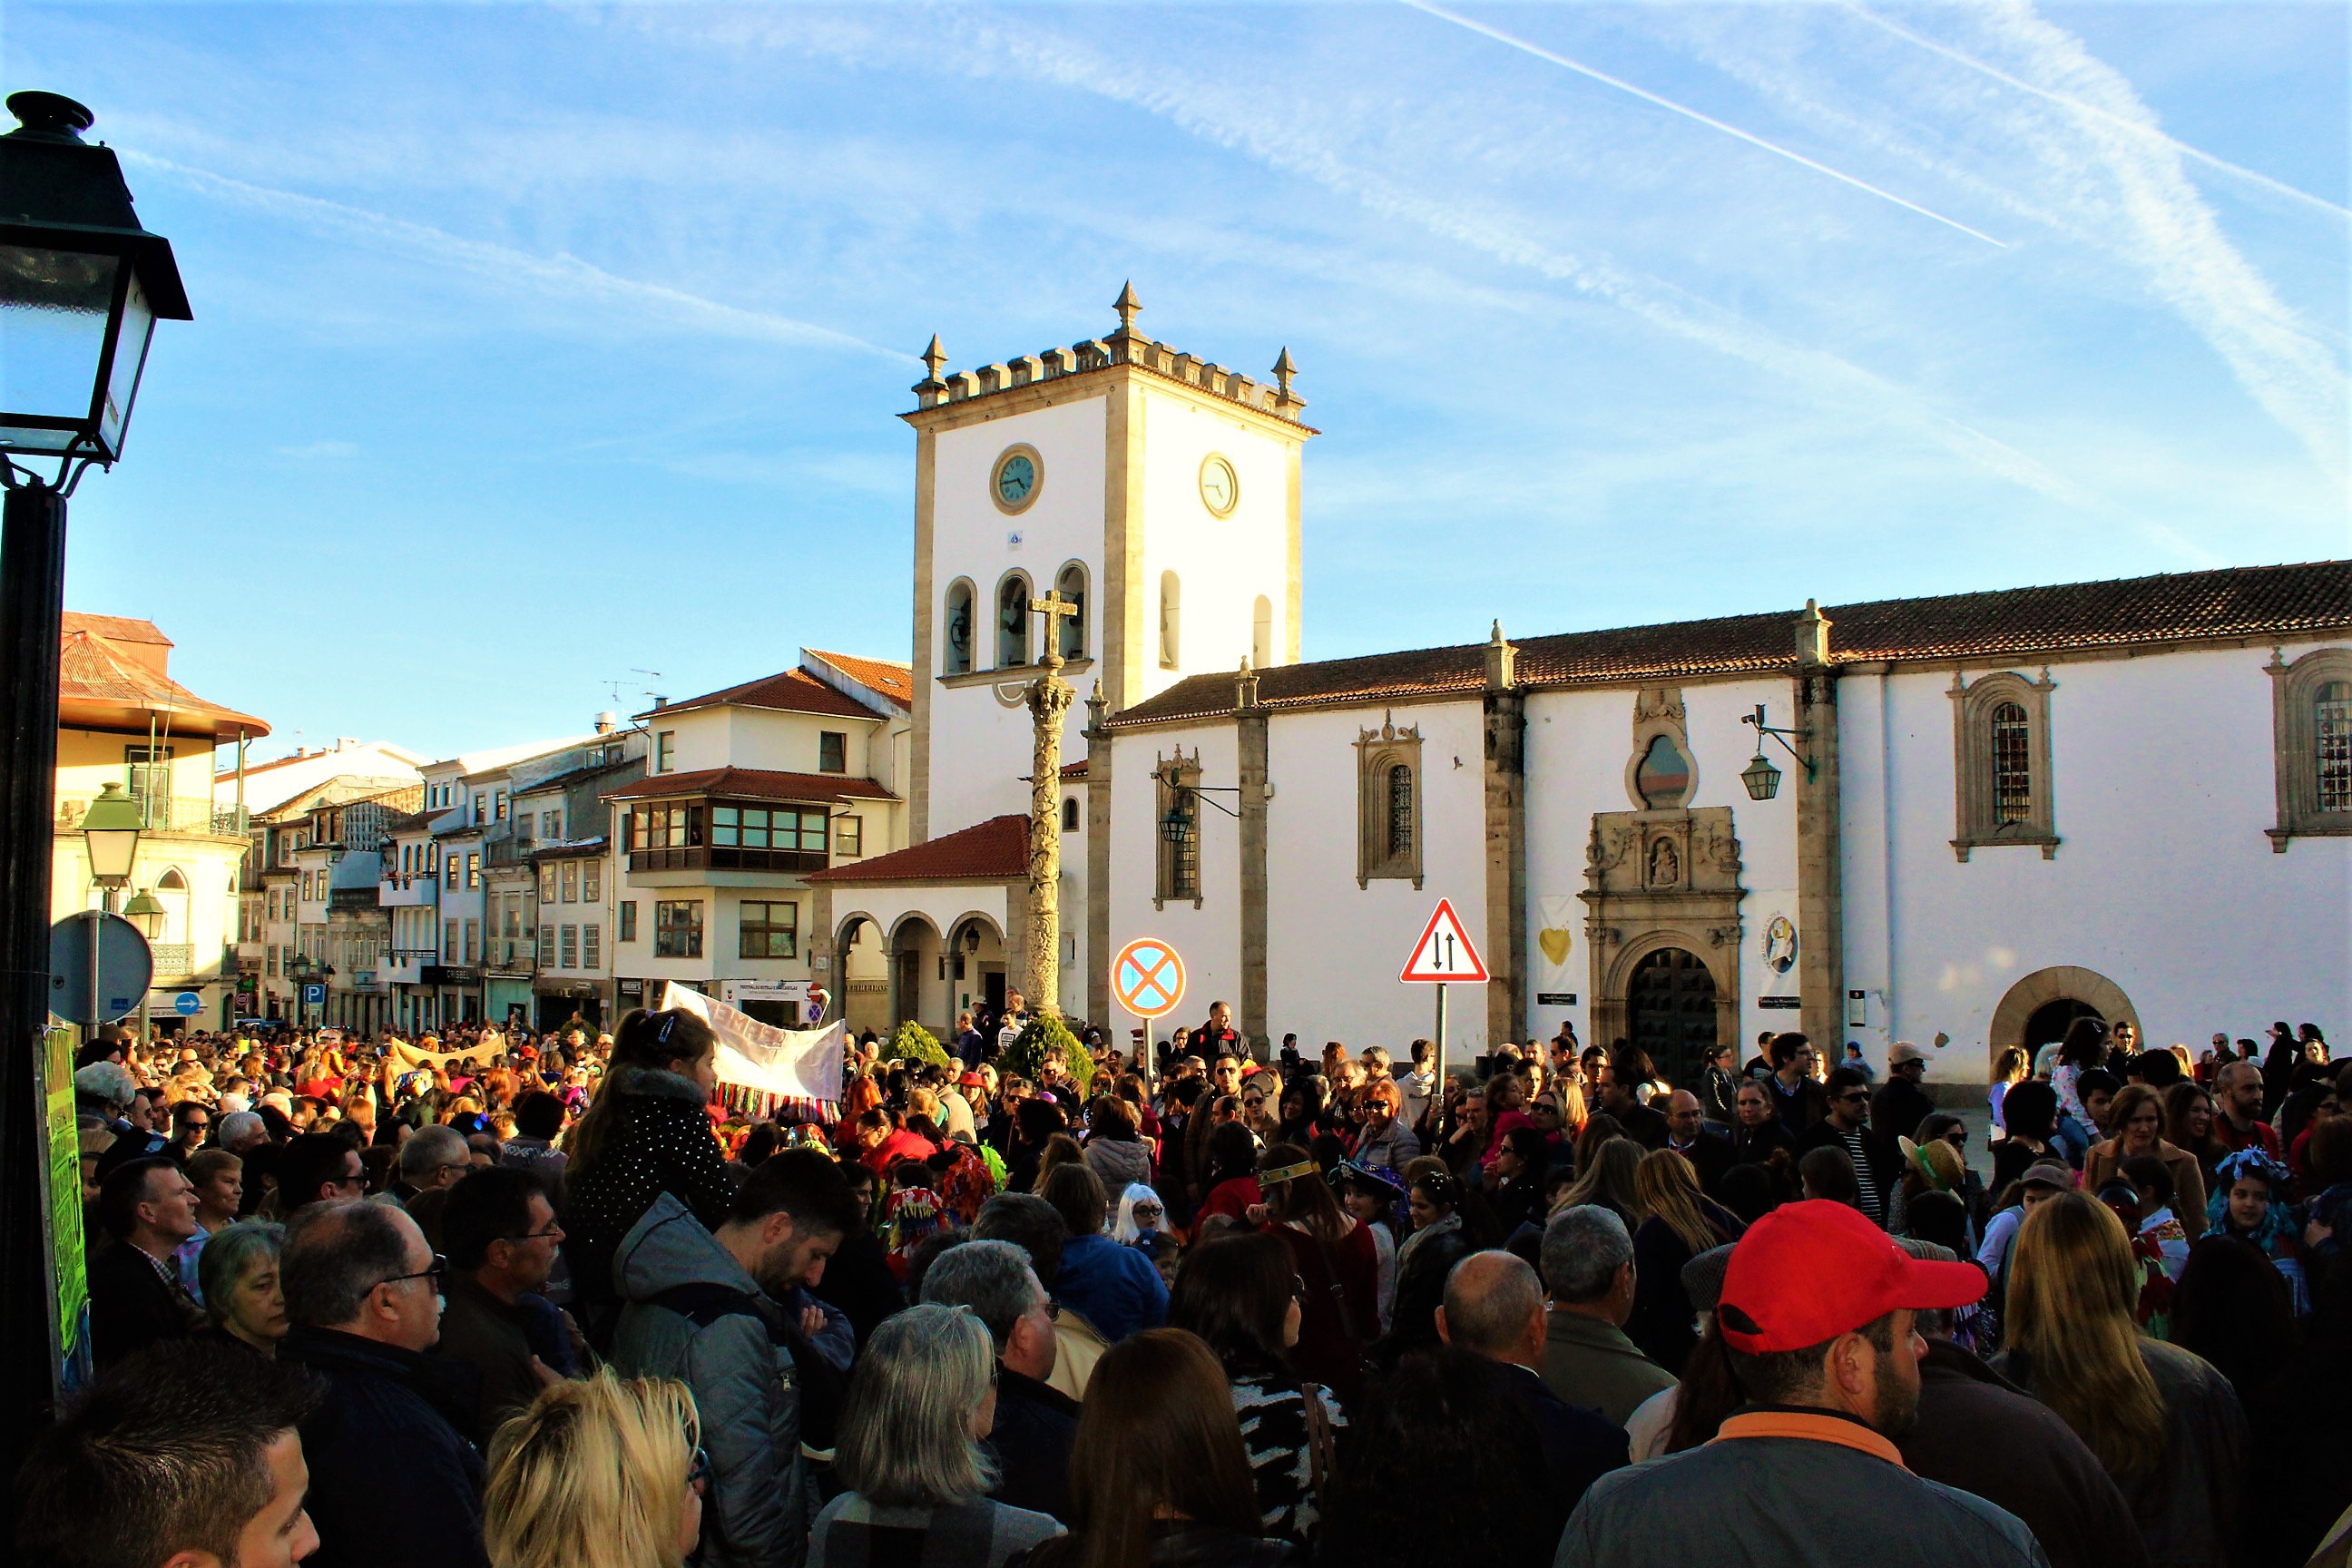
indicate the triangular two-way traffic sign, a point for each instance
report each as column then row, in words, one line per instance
column 1444, row 952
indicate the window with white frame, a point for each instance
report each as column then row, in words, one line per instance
column 592, row 947
column 592, row 882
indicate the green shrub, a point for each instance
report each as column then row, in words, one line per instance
column 1027, row 1053
column 913, row 1043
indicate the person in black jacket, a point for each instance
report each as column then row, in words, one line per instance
column 392, row 1484
column 135, row 1295
column 1447, row 1423
column 645, row 1133
column 1901, row 1105
column 1708, row 1153
column 1035, row 1425
column 1495, row 1308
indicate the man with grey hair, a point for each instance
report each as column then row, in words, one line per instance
column 1588, row 1266
column 240, row 1132
column 1035, row 1423
column 1494, row 1308
column 364, row 1293
column 433, row 1158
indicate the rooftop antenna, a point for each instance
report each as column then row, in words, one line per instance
column 649, row 675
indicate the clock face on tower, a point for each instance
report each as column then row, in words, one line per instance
column 1220, row 488
column 1012, row 483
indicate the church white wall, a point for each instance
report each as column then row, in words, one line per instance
column 1209, row 937
column 1223, row 564
column 1578, row 744
column 980, row 750
column 1333, row 949
column 2164, row 881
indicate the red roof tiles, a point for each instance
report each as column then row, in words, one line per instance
column 2006, row 624
column 992, row 851
column 894, row 681
column 791, row 691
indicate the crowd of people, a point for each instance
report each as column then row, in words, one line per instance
column 543, row 1301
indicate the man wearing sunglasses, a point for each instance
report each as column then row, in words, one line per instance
column 392, row 1483
column 1877, row 1162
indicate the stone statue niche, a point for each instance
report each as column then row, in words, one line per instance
column 1663, row 875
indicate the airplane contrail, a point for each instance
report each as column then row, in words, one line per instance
column 2079, row 107
column 1689, row 113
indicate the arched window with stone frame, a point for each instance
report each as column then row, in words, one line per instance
column 1176, row 816
column 1012, row 619
column 1070, row 582
column 2002, row 787
column 1389, row 814
column 956, row 656
column 2311, row 728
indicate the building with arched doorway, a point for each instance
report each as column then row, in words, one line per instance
column 1957, row 819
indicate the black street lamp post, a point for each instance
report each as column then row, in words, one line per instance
column 82, row 287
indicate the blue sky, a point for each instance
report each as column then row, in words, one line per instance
column 539, row 346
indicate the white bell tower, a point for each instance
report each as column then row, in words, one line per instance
column 1158, row 491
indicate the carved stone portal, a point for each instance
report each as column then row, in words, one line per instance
column 1660, row 880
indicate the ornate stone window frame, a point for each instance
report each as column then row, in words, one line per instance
column 2295, row 740
column 1377, row 751
column 1165, row 857
column 1659, row 710
column 1977, row 824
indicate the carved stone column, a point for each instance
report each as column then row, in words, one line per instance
column 1820, row 859
column 1041, row 946
column 1098, row 947
column 1249, row 722
column 1506, row 845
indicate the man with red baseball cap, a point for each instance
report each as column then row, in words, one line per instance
column 1817, row 1314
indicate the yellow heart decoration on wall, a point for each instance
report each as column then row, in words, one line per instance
column 1554, row 943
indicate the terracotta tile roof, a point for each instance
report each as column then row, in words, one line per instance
column 755, row 784
column 2006, row 624
column 792, row 690
column 1077, row 770
column 118, row 629
column 989, row 851
column 894, row 681
column 99, row 682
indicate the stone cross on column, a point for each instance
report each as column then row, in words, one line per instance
column 1049, row 700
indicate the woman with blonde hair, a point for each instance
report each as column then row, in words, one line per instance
column 1674, row 1223
column 1605, row 1175
column 2164, row 1423
column 599, row 1472
column 923, row 1397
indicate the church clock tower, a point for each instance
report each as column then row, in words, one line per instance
column 1158, row 491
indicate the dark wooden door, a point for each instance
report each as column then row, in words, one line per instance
column 1670, row 1013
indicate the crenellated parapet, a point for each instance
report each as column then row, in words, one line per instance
column 1127, row 346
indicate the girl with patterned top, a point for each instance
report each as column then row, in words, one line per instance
column 1241, row 1295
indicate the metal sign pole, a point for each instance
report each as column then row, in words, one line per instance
column 92, row 922
column 1441, row 1042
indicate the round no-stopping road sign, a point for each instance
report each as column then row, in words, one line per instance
column 1148, row 977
